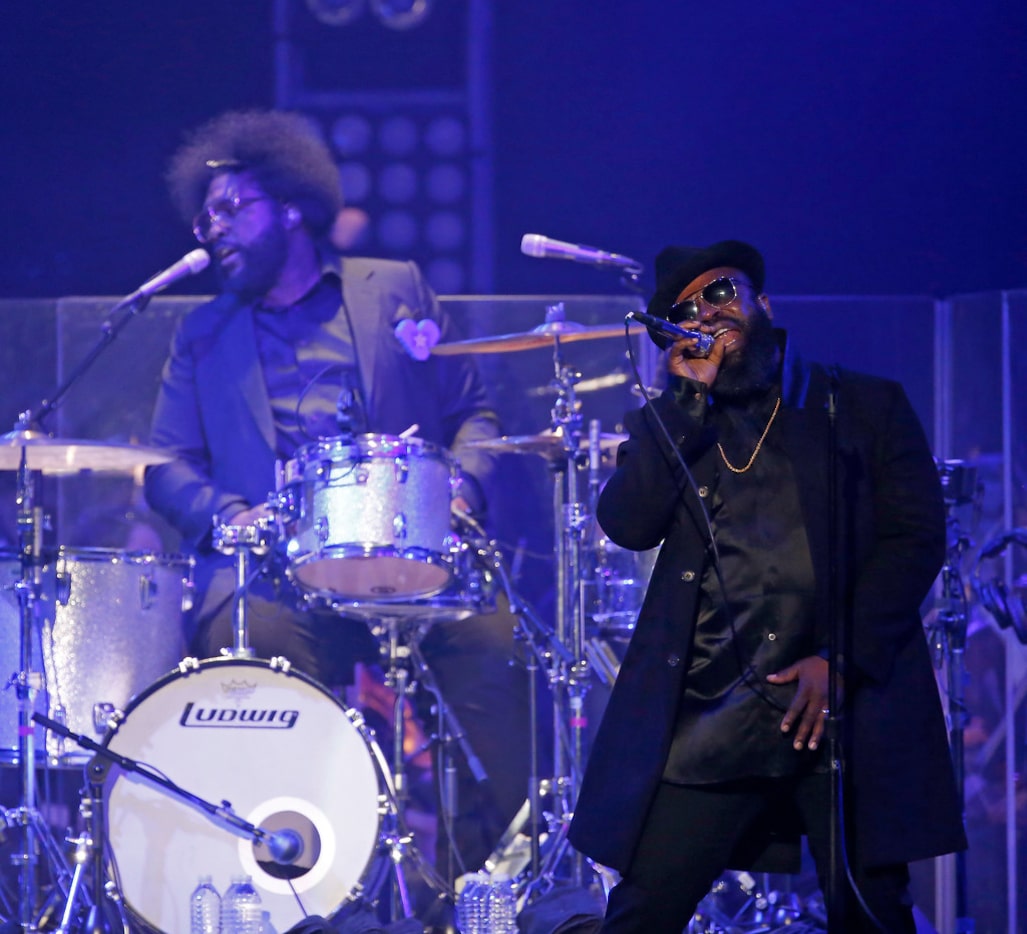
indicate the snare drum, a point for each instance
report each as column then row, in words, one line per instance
column 368, row 518
column 112, row 624
column 283, row 752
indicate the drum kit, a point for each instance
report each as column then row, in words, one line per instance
column 238, row 764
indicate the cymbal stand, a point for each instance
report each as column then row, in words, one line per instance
column 28, row 684
column 570, row 682
column 948, row 635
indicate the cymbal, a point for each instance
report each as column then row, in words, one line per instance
column 547, row 444
column 544, row 335
column 64, row 455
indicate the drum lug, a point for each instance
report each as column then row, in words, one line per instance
column 147, row 590
column 280, row 663
column 189, row 663
column 321, row 530
column 188, row 594
column 401, row 470
column 399, row 526
column 63, row 587
column 106, row 716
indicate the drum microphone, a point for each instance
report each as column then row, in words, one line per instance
column 285, row 846
column 188, row 265
column 703, row 341
column 544, row 248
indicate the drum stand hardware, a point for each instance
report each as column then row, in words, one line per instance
column 242, row 542
column 28, row 684
column 948, row 636
column 565, row 658
column 104, row 913
column 406, row 669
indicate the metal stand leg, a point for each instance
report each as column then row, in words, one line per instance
column 396, row 838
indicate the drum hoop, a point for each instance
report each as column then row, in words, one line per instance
column 351, row 551
column 370, row 446
column 121, row 555
column 191, row 665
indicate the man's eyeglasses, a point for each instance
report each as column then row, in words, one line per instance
column 717, row 294
column 221, row 212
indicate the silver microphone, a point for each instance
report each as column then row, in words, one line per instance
column 703, row 341
column 188, row 265
column 545, row 248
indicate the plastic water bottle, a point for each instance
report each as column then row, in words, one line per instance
column 241, row 911
column 205, row 908
column 502, row 906
column 472, row 904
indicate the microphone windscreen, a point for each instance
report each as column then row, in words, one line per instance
column 533, row 245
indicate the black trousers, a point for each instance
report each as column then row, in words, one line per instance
column 691, row 833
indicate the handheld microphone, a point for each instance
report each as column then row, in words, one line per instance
column 544, row 248
column 663, row 327
column 188, row 265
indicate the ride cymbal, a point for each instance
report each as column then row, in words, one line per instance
column 544, row 335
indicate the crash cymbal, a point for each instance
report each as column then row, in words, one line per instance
column 547, row 444
column 64, row 455
column 544, row 335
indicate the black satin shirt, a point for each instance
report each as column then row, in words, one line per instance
column 729, row 720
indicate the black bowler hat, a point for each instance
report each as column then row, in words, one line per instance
column 676, row 266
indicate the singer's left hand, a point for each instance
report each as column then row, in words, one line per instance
column 809, row 705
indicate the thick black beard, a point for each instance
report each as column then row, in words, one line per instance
column 265, row 259
column 756, row 369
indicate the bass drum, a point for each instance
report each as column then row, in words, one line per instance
column 282, row 752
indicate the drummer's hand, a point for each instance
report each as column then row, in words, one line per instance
column 252, row 515
column 682, row 362
column 809, row 706
column 461, row 505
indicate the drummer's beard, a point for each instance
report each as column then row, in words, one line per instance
column 757, row 367
column 264, row 258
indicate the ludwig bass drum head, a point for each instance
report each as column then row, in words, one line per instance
column 282, row 752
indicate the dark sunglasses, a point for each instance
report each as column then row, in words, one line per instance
column 221, row 212
column 717, row 294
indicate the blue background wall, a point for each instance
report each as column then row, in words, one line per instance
column 867, row 148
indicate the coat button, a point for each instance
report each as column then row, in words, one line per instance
column 688, row 576
column 704, row 491
column 673, row 660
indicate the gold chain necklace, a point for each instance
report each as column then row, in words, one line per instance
column 759, row 444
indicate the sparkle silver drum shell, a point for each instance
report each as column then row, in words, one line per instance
column 286, row 756
column 110, row 625
column 368, row 518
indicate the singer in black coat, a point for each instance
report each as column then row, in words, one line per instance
column 901, row 796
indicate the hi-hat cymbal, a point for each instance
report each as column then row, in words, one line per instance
column 547, row 444
column 64, row 455
column 544, row 335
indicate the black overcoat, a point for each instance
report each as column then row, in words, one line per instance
column 899, row 779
